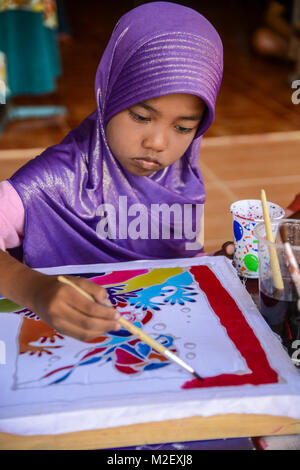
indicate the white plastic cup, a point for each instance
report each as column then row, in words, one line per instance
column 246, row 215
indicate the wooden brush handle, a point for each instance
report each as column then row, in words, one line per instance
column 127, row 324
column 278, row 282
column 142, row 336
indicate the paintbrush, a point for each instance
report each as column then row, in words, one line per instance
column 137, row 331
column 278, row 282
column 293, row 265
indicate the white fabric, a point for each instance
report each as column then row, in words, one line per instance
column 30, row 408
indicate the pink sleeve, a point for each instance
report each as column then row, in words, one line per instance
column 12, row 217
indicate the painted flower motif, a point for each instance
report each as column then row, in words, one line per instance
column 128, row 354
column 136, row 357
column 144, row 298
column 25, row 312
column 116, row 294
column 180, row 286
column 183, row 294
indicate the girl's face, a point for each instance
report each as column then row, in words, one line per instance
column 154, row 134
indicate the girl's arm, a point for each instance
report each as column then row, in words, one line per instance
column 59, row 305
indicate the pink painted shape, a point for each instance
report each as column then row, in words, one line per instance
column 125, row 369
column 125, row 357
column 117, row 277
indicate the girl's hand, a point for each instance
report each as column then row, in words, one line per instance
column 227, row 249
column 67, row 311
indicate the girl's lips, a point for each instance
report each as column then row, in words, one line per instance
column 146, row 164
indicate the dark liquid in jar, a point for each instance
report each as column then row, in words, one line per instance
column 283, row 317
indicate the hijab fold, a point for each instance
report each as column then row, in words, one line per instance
column 155, row 49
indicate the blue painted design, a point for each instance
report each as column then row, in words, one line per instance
column 137, row 349
column 143, row 299
column 116, row 294
column 237, row 230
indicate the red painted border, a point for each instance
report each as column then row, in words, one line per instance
column 238, row 331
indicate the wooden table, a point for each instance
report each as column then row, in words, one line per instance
column 187, row 429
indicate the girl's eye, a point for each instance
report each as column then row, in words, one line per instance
column 184, row 130
column 138, row 117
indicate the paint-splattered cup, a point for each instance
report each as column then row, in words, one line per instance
column 246, row 214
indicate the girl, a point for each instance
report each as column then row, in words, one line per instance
column 77, row 203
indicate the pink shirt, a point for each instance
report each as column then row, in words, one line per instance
column 12, row 217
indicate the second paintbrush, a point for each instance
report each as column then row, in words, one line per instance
column 138, row 332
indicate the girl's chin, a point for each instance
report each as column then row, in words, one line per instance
column 136, row 168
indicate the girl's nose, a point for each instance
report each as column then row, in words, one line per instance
column 156, row 140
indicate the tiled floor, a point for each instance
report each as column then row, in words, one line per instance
column 238, row 167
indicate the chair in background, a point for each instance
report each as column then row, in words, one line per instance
column 30, row 61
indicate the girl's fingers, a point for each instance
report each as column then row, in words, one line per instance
column 93, row 309
column 98, row 292
column 73, row 323
column 85, row 306
column 228, row 247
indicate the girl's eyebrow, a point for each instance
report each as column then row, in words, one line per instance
column 147, row 107
column 193, row 117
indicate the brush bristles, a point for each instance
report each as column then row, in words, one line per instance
column 197, row 376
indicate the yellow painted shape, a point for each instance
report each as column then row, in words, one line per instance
column 156, row 276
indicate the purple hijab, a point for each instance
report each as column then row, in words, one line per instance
column 73, row 189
